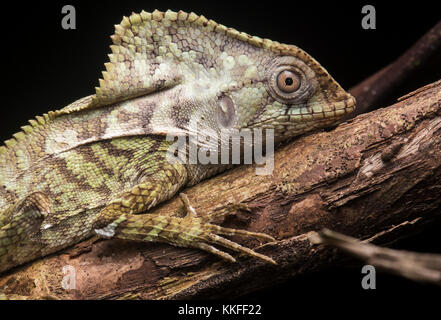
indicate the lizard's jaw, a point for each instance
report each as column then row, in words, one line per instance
column 295, row 120
column 321, row 111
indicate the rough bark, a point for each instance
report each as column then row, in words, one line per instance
column 375, row 178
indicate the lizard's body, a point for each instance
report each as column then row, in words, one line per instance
column 93, row 166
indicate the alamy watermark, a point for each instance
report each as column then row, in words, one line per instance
column 369, row 20
column 370, row 279
column 69, row 280
column 226, row 146
column 69, row 18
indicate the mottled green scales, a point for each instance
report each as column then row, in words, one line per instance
column 98, row 165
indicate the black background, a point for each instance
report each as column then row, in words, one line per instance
column 46, row 68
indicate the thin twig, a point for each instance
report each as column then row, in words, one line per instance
column 422, row 267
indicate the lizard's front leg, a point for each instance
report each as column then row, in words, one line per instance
column 120, row 220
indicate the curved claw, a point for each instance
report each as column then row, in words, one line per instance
column 233, row 232
column 213, row 250
column 237, row 247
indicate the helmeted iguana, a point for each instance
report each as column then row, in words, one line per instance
column 98, row 165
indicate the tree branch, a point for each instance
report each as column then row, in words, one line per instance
column 374, row 90
column 374, row 178
column 423, row 267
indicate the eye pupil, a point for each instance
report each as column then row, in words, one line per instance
column 288, row 81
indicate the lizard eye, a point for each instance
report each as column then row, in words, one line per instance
column 288, row 81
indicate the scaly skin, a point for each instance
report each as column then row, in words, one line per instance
column 98, row 165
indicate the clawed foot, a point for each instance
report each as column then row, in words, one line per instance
column 211, row 234
column 190, row 231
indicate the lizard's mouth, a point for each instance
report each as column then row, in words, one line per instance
column 302, row 118
column 321, row 111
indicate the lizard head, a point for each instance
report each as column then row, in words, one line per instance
column 185, row 68
column 285, row 89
